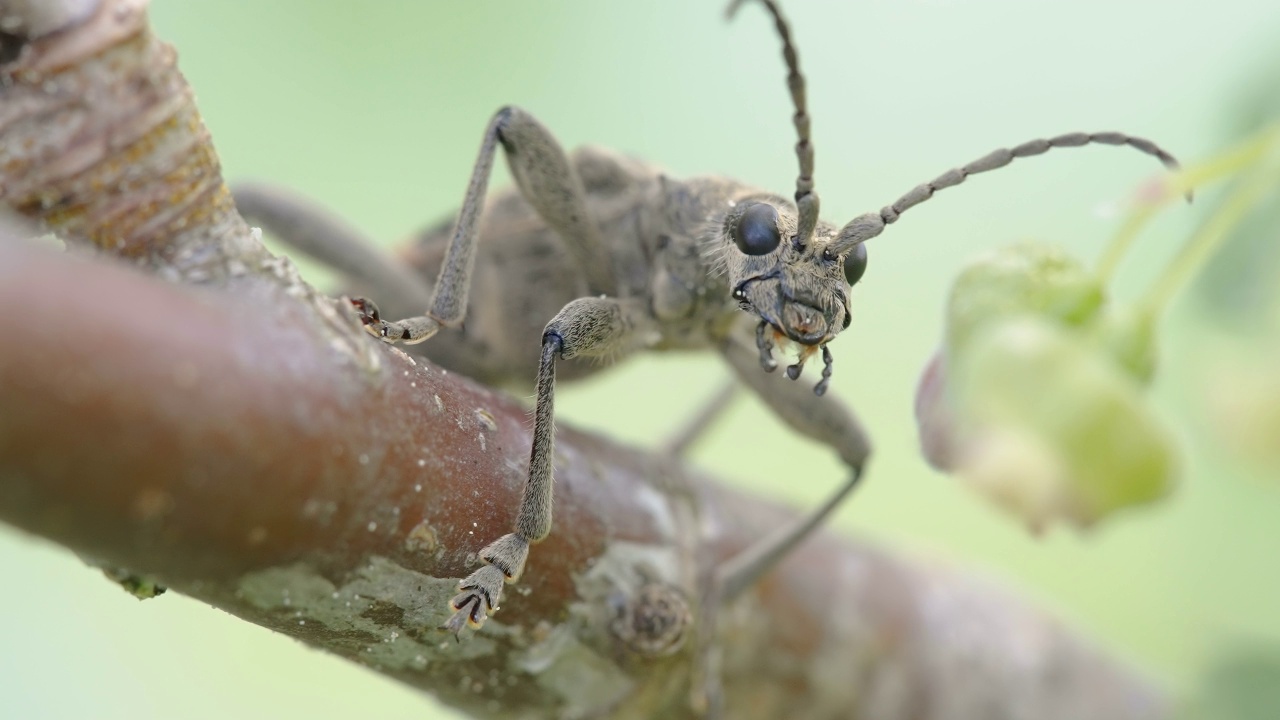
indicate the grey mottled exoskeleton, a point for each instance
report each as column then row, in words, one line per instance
column 620, row 258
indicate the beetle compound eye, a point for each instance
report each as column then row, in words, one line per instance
column 855, row 264
column 756, row 230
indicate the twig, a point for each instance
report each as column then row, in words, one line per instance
column 236, row 437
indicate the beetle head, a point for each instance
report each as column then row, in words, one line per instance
column 796, row 285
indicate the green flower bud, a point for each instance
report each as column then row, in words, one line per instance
column 1243, row 399
column 1051, row 427
column 1029, row 278
column 1129, row 336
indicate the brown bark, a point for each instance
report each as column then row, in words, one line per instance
column 183, row 405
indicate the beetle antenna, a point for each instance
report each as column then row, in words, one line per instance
column 865, row 227
column 806, row 198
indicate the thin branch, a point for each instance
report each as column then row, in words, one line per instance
column 236, row 437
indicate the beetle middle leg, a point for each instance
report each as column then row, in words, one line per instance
column 824, row 419
column 307, row 226
column 678, row 443
column 587, row 327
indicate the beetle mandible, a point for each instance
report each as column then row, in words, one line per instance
column 623, row 258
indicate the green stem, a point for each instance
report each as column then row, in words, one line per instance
column 1206, row 241
column 1242, row 155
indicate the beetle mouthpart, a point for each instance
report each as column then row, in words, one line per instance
column 804, row 324
column 806, row 352
column 366, row 310
column 764, row 343
column 821, row 388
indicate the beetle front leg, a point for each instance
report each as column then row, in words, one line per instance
column 587, row 327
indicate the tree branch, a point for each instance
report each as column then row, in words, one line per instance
column 240, row 439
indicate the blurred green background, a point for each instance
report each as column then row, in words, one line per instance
column 376, row 109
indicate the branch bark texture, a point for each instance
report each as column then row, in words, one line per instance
column 184, row 406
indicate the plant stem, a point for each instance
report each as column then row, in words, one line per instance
column 1242, row 155
column 1209, row 237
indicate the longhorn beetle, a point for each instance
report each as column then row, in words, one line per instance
column 621, row 258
